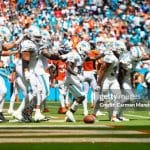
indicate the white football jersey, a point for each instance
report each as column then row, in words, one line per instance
column 75, row 58
column 113, row 61
column 38, row 63
column 28, row 45
column 42, row 61
column 126, row 61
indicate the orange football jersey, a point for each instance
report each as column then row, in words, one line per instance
column 89, row 64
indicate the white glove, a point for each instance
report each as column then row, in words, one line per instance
column 27, row 75
column 80, row 77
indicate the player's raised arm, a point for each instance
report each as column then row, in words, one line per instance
column 8, row 45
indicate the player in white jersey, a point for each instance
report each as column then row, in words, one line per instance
column 121, row 51
column 110, row 84
column 84, row 46
column 34, row 54
column 42, row 76
column 73, row 80
column 19, row 83
column 110, row 88
column 5, row 45
column 128, row 62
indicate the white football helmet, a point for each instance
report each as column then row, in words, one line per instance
column 100, row 43
column 45, row 34
column 83, row 47
column 45, row 38
column 120, row 46
column 5, row 33
column 136, row 53
column 110, row 44
column 110, row 59
column 34, row 33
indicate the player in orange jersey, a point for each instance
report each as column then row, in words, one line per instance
column 89, row 67
column 58, row 81
column 60, row 78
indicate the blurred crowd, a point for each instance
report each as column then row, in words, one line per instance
column 70, row 20
column 122, row 19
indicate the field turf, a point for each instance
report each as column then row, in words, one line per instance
column 139, row 119
column 58, row 134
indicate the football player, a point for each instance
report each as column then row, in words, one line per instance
column 108, row 81
column 74, row 79
column 5, row 46
column 127, row 65
column 35, row 51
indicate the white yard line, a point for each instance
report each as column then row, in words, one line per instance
column 75, row 140
column 27, row 132
column 137, row 116
column 38, row 126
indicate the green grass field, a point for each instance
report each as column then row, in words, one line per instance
column 58, row 134
column 139, row 119
column 79, row 146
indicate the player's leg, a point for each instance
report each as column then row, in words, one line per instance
column 75, row 88
column 42, row 92
column 21, row 84
column 85, row 102
column 67, row 98
column 100, row 94
column 44, row 81
column 127, row 95
column 93, row 85
column 12, row 99
column 62, row 93
column 3, row 91
column 95, row 94
column 116, row 93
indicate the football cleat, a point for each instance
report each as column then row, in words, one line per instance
column 17, row 115
column 69, row 117
column 99, row 113
column 39, row 117
column 123, row 119
column 10, row 111
column 26, row 117
column 115, row 119
column 2, row 118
